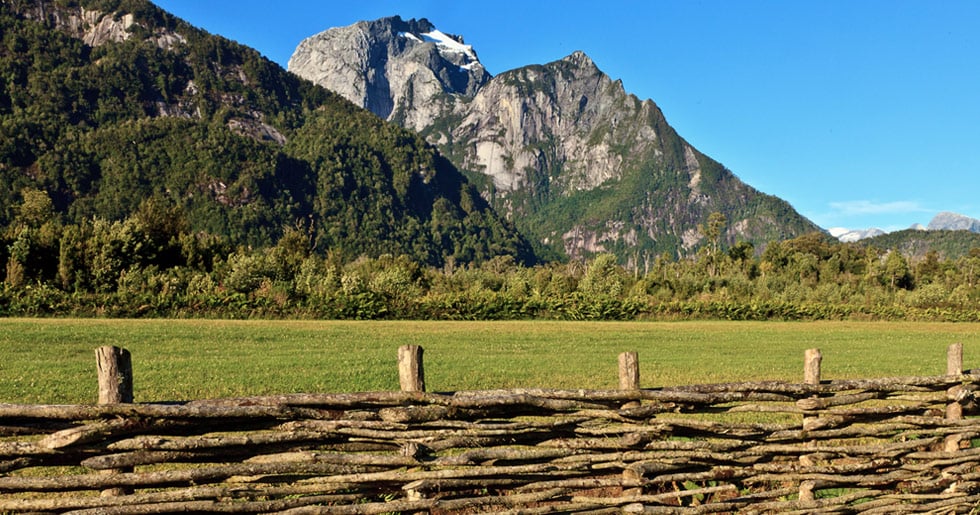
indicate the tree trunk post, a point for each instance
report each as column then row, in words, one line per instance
column 811, row 375
column 954, row 410
column 411, row 375
column 629, row 380
column 115, row 366
column 811, row 366
column 629, row 371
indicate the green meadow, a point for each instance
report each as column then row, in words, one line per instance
column 53, row 360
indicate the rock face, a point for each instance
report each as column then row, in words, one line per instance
column 579, row 164
column 953, row 222
column 390, row 66
column 564, row 119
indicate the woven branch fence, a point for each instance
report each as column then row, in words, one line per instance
column 889, row 445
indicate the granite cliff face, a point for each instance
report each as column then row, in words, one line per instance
column 579, row 164
column 391, row 67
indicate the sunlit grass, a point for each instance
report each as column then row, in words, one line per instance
column 53, row 360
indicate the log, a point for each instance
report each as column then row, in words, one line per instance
column 496, row 455
column 210, row 474
column 89, row 433
column 857, row 480
column 24, row 449
column 215, row 506
column 819, row 403
column 415, row 414
column 216, row 442
column 658, row 498
column 145, row 501
column 163, row 411
column 472, row 504
column 132, row 459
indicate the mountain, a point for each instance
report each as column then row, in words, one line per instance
column 579, row 164
column 112, row 108
column 916, row 243
column 953, row 222
column 944, row 221
column 850, row 235
column 390, row 66
column 950, row 235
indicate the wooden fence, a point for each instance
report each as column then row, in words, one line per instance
column 887, row 445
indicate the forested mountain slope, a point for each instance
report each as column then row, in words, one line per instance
column 112, row 110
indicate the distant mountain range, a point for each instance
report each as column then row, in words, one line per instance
column 944, row 221
column 578, row 164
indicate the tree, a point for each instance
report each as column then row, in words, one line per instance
column 35, row 210
column 603, row 277
column 714, row 228
column 897, row 272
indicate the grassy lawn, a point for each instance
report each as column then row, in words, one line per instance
column 53, row 360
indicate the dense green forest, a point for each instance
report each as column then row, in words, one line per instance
column 174, row 121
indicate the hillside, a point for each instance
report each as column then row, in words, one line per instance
column 579, row 164
column 111, row 109
column 949, row 244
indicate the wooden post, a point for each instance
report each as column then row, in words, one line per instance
column 629, row 371
column 811, row 366
column 811, row 375
column 954, row 410
column 115, row 366
column 115, row 375
column 410, row 372
column 629, row 379
column 954, row 359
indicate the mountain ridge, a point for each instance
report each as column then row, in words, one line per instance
column 582, row 166
column 942, row 221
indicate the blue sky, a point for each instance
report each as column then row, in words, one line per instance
column 859, row 113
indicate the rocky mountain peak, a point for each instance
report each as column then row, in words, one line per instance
column 954, row 222
column 561, row 148
column 579, row 59
column 391, row 66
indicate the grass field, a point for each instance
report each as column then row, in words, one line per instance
column 53, row 360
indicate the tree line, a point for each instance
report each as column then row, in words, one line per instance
column 151, row 264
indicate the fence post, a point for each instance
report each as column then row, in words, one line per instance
column 411, row 376
column 954, row 410
column 115, row 368
column 629, row 380
column 811, row 375
column 629, row 371
column 115, row 375
column 811, row 366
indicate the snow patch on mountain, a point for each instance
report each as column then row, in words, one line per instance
column 851, row 235
column 446, row 44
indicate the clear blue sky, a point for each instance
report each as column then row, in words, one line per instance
column 859, row 113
